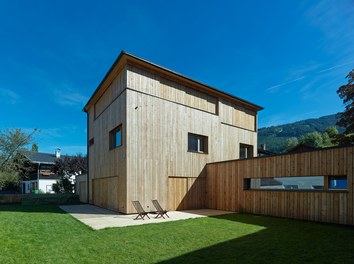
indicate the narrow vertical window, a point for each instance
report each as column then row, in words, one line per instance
column 115, row 137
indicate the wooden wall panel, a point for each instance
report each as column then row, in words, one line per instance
column 105, row 193
column 333, row 206
column 157, row 140
column 186, row 193
column 111, row 93
column 156, row 114
column 236, row 115
column 144, row 81
column 103, row 162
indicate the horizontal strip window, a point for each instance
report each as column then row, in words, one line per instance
column 297, row 183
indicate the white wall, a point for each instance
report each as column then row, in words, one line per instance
column 45, row 186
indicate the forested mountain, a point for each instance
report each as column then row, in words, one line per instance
column 275, row 137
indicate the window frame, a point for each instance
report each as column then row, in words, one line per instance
column 113, row 137
column 91, row 142
column 337, row 177
column 200, row 138
column 249, row 150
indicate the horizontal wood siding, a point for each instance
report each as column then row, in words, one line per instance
column 225, row 186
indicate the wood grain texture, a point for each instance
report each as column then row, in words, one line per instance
column 106, row 192
column 224, row 183
column 157, row 142
column 156, row 113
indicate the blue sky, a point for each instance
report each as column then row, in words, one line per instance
column 288, row 56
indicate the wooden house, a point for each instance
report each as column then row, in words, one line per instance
column 151, row 132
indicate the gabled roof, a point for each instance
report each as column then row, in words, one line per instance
column 40, row 157
column 301, row 148
column 124, row 57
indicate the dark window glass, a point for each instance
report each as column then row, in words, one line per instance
column 118, row 138
column 197, row 143
column 338, row 182
column 288, row 183
column 246, row 151
column 192, row 143
column 202, row 144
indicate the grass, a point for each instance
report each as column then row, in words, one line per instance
column 45, row 234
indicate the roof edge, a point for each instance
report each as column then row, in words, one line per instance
column 122, row 53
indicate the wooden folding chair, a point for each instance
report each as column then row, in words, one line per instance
column 160, row 212
column 140, row 210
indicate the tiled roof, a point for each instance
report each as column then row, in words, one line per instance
column 40, row 157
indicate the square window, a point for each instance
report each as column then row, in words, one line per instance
column 246, row 151
column 115, row 138
column 197, row 143
column 337, row 182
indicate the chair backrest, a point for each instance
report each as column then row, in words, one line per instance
column 138, row 207
column 157, row 205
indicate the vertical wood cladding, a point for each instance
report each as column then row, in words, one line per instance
column 157, row 112
column 225, row 186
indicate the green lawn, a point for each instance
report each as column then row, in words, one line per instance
column 45, row 234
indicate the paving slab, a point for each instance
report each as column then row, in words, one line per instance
column 99, row 218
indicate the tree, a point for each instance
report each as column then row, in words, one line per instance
column 313, row 139
column 34, row 147
column 67, row 168
column 290, row 143
column 12, row 161
column 346, row 93
column 332, row 131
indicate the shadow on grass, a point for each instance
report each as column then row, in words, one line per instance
column 279, row 241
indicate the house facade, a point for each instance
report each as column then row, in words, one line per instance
column 151, row 132
column 41, row 176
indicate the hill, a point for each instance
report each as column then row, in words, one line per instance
column 275, row 137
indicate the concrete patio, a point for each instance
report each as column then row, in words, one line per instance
column 99, row 218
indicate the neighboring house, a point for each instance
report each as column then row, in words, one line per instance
column 263, row 152
column 301, row 148
column 151, row 132
column 42, row 177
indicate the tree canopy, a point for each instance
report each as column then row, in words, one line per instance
column 12, row 162
column 346, row 93
column 66, row 168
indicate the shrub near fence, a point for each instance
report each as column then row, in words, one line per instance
column 28, row 199
column 10, row 198
column 50, row 199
